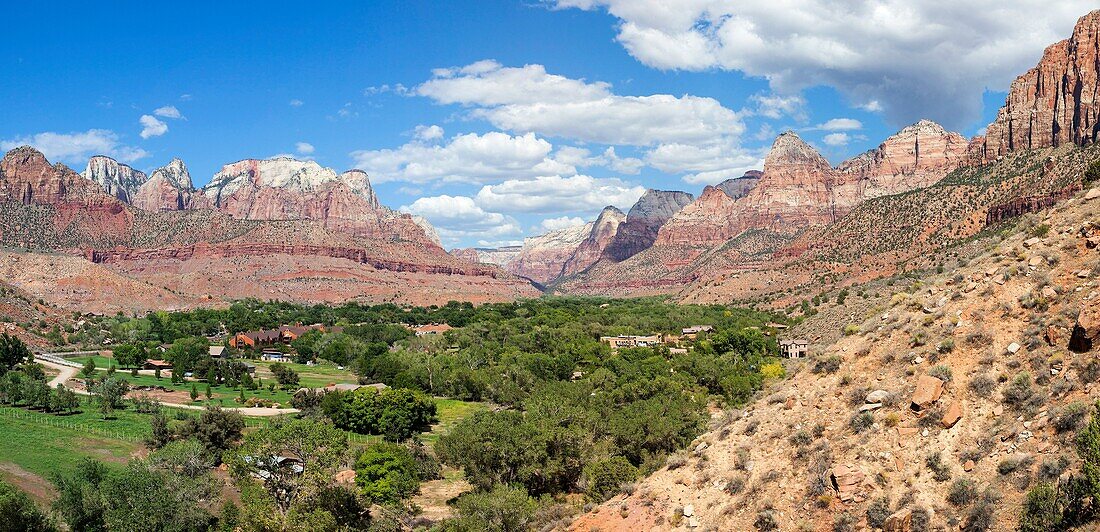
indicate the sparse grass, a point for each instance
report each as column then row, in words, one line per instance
column 940, row 470
column 963, row 491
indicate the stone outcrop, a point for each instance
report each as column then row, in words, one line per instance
column 1055, row 103
column 915, row 157
column 116, row 179
column 543, row 257
column 1086, row 332
column 169, row 188
column 643, row 222
column 928, row 391
column 601, row 234
column 707, row 221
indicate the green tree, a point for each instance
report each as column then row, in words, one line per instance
column 109, row 393
column 19, row 513
column 194, row 392
column 387, row 473
column 606, row 477
column 88, row 371
column 12, row 353
column 186, row 353
column 504, row 509
column 319, row 449
column 217, row 429
column 64, row 400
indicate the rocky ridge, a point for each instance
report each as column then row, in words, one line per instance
column 925, row 409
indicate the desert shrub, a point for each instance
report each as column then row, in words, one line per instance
column 766, row 520
column 1089, row 371
column 941, row 372
column 844, row 522
column 861, row 421
column 940, row 470
column 1013, row 463
column 922, row 520
column 931, row 417
column 1052, row 467
column 858, row 395
column 1020, row 392
column 981, row 515
column 676, row 461
column 735, row 485
column 946, row 346
column 851, row 329
column 982, row 385
column 963, row 491
column 877, row 512
column 979, row 338
column 829, row 365
column 918, row 339
column 1070, row 417
column 1042, row 509
column 801, row 438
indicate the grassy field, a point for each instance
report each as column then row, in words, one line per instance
column 43, row 443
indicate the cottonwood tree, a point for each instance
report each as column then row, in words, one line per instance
column 291, row 459
column 12, row 353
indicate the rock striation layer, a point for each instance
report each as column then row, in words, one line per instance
column 543, row 257
column 915, row 157
column 1055, row 103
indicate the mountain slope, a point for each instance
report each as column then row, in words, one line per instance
column 776, row 460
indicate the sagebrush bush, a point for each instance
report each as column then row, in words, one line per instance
column 982, row 385
column 963, row 491
column 940, row 470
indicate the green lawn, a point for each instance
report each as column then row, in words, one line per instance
column 44, row 443
column 101, row 362
column 451, row 412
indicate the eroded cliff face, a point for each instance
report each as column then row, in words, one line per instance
column 169, row 188
column 543, row 257
column 643, row 222
column 915, row 157
column 601, row 234
column 1055, row 103
column 27, row 177
column 116, row 179
column 287, row 189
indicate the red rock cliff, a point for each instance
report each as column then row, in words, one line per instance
column 1054, row 103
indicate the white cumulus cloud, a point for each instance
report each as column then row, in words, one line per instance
column 168, row 111
column 75, row 148
column 428, row 133
column 303, row 148
column 553, row 194
column 469, row 158
column 151, row 127
column 840, row 124
column 908, row 59
column 561, row 222
column 836, row 139
column 458, row 217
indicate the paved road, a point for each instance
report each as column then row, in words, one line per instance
column 68, row 371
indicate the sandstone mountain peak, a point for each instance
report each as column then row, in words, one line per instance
column 117, row 179
column 169, row 188
column 644, row 220
column 788, row 146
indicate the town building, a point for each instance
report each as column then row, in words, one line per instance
column 154, row 364
column 621, row 341
column 274, row 355
column 283, row 335
column 217, row 351
column 431, row 329
column 794, row 348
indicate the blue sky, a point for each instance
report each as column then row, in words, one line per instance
column 494, row 118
